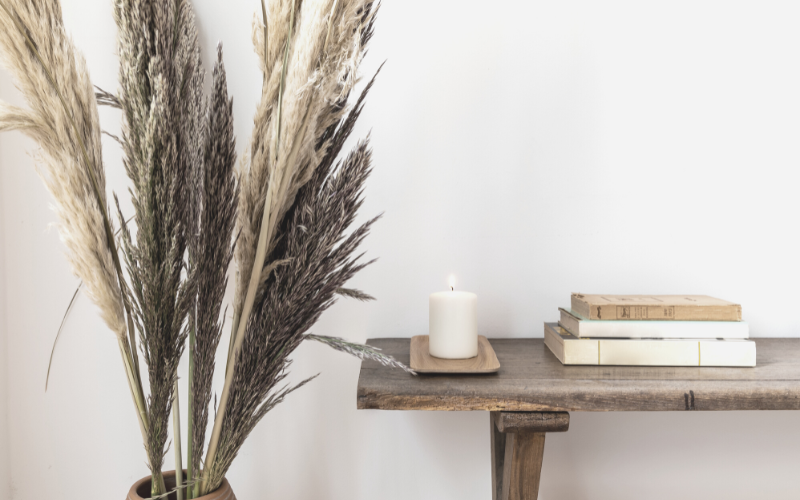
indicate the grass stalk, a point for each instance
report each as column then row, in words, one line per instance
column 276, row 148
column 232, row 340
column 190, row 420
column 255, row 278
column 176, row 438
column 266, row 40
column 237, row 341
column 157, row 486
column 138, row 397
column 263, row 237
column 58, row 334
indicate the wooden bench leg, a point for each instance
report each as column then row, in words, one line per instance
column 498, row 456
column 517, row 451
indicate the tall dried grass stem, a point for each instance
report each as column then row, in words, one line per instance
column 176, row 440
column 258, row 265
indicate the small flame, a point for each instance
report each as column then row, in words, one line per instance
column 452, row 282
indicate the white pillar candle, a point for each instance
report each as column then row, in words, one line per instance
column 453, row 325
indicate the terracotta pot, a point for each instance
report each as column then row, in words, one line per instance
column 141, row 489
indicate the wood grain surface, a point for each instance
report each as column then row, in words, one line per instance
column 423, row 362
column 517, row 440
column 532, row 379
column 522, row 466
column 535, row 421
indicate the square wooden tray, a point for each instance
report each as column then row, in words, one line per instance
column 422, row 361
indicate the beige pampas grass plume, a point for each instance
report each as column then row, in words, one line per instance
column 310, row 61
column 63, row 119
column 297, row 200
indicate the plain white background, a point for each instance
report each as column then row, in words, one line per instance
column 532, row 149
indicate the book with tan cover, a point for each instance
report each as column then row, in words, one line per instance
column 655, row 307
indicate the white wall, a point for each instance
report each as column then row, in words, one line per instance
column 531, row 148
column 5, row 483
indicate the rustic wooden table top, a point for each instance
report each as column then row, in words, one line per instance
column 532, row 379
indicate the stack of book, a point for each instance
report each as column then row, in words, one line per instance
column 651, row 330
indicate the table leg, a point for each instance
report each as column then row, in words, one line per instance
column 498, row 456
column 517, row 451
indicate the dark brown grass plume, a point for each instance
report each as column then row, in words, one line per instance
column 159, row 63
column 214, row 252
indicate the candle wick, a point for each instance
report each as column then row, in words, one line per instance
column 451, row 288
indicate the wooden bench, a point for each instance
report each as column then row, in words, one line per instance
column 533, row 392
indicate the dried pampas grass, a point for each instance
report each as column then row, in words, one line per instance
column 62, row 119
column 166, row 155
column 285, row 217
column 288, row 273
column 52, row 75
column 320, row 69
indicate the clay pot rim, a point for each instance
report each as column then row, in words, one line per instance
column 224, row 491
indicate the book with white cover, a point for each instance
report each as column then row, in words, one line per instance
column 579, row 326
column 571, row 350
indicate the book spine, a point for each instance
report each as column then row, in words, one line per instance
column 573, row 351
column 582, row 307
column 657, row 313
column 569, row 323
column 555, row 344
